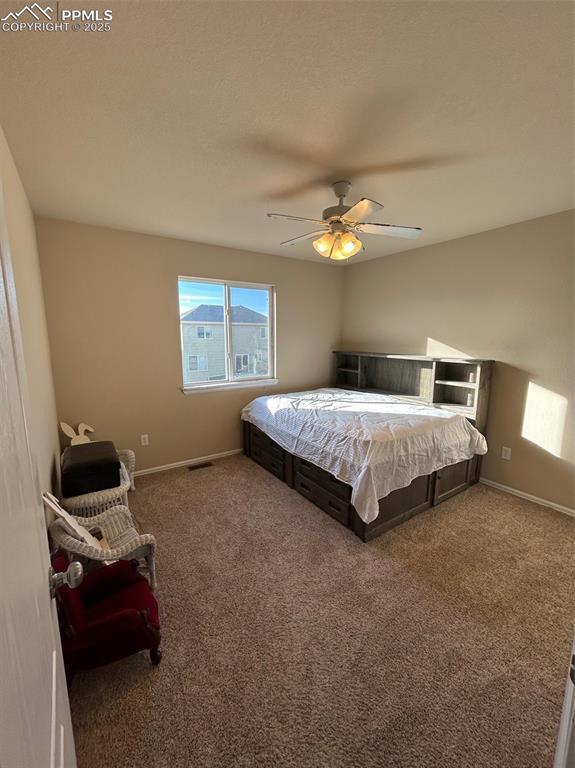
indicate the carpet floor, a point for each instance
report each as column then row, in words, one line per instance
column 289, row 642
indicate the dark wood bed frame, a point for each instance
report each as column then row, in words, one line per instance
column 334, row 497
column 443, row 382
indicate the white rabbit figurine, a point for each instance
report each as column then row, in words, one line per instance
column 76, row 439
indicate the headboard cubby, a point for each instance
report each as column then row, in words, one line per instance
column 457, row 384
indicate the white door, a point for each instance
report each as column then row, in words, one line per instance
column 565, row 752
column 35, row 726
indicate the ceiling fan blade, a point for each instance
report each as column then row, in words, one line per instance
column 360, row 171
column 293, row 154
column 401, row 166
column 294, row 218
column 305, row 237
column 393, row 230
column 360, row 211
column 296, row 190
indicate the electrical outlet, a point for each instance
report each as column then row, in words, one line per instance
column 506, row 453
column 144, row 440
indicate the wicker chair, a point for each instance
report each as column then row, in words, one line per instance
column 117, row 528
column 128, row 459
column 91, row 504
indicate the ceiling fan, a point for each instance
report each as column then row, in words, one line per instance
column 336, row 239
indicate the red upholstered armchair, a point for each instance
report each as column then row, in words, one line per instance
column 112, row 614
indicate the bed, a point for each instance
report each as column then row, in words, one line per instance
column 369, row 460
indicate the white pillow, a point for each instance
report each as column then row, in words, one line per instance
column 69, row 523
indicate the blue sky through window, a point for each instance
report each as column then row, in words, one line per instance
column 252, row 298
column 193, row 294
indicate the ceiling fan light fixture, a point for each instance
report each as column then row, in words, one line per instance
column 337, row 252
column 323, row 244
column 350, row 244
column 337, row 246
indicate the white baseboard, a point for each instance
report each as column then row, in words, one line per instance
column 529, row 497
column 187, row 462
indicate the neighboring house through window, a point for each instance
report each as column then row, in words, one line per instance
column 226, row 332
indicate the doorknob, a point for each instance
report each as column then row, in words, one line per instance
column 71, row 578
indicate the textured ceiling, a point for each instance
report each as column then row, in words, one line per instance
column 192, row 119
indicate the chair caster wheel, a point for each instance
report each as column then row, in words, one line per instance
column 155, row 656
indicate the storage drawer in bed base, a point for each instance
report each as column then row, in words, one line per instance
column 334, row 506
column 322, row 478
column 267, row 453
column 264, row 443
column 269, row 462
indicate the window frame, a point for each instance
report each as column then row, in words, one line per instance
column 231, row 381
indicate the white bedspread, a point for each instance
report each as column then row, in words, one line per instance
column 375, row 443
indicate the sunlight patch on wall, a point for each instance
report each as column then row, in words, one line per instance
column 544, row 418
column 439, row 349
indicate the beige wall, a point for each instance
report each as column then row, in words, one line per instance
column 506, row 294
column 112, row 307
column 21, row 239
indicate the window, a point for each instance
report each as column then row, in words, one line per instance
column 226, row 332
column 198, row 363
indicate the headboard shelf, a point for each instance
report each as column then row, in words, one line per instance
column 460, row 385
column 393, row 355
column 465, row 384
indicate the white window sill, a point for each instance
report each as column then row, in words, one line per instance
column 228, row 385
